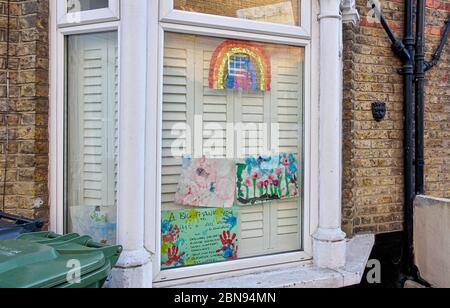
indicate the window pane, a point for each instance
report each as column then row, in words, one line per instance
column 273, row 11
column 86, row 5
column 232, row 147
column 91, row 144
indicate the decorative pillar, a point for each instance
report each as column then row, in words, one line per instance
column 349, row 12
column 134, row 269
column 329, row 244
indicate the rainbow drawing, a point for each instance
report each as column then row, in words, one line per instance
column 240, row 65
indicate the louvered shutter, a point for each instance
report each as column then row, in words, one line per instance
column 287, row 112
column 178, row 90
column 252, row 110
column 214, row 106
column 92, row 126
column 275, row 226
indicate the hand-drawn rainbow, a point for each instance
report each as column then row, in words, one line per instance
column 240, row 65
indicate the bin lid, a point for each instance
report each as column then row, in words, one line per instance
column 25, row 264
column 4, row 225
column 11, row 226
column 8, row 230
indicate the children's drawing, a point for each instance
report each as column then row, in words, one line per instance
column 206, row 183
column 198, row 236
column 97, row 222
column 267, row 178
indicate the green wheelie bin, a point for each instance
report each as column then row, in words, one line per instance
column 47, row 260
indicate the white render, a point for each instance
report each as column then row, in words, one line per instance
column 329, row 241
column 134, row 267
column 431, row 241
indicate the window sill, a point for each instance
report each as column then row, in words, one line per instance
column 307, row 276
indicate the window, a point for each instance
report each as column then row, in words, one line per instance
column 273, row 17
column 76, row 12
column 91, row 135
column 232, row 150
column 86, row 5
column 273, row 11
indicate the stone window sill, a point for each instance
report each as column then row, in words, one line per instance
column 307, row 276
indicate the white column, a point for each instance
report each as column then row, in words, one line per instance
column 329, row 240
column 134, row 269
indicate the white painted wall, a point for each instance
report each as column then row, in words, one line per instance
column 432, row 240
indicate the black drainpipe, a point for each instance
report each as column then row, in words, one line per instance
column 408, row 72
column 420, row 85
column 405, row 51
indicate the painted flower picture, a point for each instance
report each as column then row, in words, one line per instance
column 266, row 178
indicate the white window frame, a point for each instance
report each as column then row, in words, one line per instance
column 58, row 34
column 305, row 36
column 170, row 15
column 65, row 19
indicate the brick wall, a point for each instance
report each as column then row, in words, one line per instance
column 26, row 112
column 437, row 106
column 373, row 152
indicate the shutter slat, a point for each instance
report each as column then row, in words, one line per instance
column 175, row 91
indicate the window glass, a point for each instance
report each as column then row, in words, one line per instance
column 232, row 150
column 91, row 135
column 273, row 11
column 86, row 5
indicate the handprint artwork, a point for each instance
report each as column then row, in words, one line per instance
column 198, row 236
column 173, row 257
column 229, row 247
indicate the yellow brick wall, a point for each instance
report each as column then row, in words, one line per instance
column 373, row 152
column 27, row 163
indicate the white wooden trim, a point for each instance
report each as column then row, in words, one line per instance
column 169, row 15
column 153, row 126
column 57, row 110
column 55, row 164
column 132, row 111
column 241, row 35
column 232, row 268
column 111, row 13
column 311, row 99
column 313, row 79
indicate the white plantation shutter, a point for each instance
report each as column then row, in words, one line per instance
column 275, row 226
column 215, row 106
column 178, row 90
column 264, row 229
column 252, row 109
column 92, row 125
column 287, row 112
